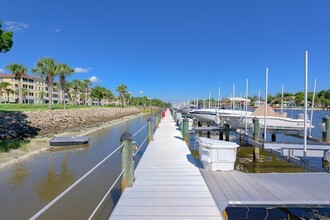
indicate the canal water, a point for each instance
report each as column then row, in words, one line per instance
column 28, row 186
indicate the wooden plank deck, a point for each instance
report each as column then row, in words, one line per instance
column 239, row 189
column 168, row 183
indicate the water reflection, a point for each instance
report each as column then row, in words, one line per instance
column 268, row 163
column 19, row 176
column 54, row 183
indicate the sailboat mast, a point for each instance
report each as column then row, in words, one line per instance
column 219, row 98
column 246, row 98
column 266, row 97
column 233, row 97
column 305, row 104
column 282, row 98
column 311, row 120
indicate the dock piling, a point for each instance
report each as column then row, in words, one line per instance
column 326, row 129
column 256, row 130
column 150, row 132
column 127, row 160
column 185, row 130
column 226, row 132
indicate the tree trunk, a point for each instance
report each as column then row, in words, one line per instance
column 20, row 91
column 50, row 95
column 63, row 98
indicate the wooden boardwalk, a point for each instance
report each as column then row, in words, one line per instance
column 168, row 183
column 237, row 189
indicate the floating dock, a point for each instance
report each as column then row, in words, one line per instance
column 68, row 141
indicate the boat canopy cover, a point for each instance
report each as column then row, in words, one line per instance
column 260, row 111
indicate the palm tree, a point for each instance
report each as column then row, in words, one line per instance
column 42, row 96
column 64, row 71
column 86, row 83
column 76, row 86
column 25, row 92
column 8, row 92
column 19, row 70
column 47, row 67
column 122, row 90
column 3, row 87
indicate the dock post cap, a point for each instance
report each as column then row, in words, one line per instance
column 126, row 136
column 326, row 117
column 255, row 119
column 185, row 119
column 149, row 119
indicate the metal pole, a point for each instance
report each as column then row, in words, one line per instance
column 219, row 98
column 246, row 98
column 259, row 98
column 266, row 97
column 210, row 99
column 204, row 101
column 305, row 103
column 312, row 112
column 233, row 97
column 282, row 98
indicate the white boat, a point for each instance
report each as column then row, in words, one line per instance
column 274, row 120
column 212, row 115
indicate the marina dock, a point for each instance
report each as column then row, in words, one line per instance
column 171, row 184
column 168, row 184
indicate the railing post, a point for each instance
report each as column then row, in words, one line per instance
column 150, row 130
column 127, row 160
column 185, row 130
column 325, row 129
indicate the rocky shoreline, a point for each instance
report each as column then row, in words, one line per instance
column 21, row 125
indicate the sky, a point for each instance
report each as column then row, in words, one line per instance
column 176, row 50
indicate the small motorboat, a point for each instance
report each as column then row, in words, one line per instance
column 68, row 140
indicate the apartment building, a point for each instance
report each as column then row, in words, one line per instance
column 35, row 90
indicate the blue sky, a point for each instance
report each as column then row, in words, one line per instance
column 176, row 50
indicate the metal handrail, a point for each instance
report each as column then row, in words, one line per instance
column 98, row 206
column 140, row 130
column 141, row 145
column 72, row 186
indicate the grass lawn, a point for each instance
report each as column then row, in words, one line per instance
column 36, row 107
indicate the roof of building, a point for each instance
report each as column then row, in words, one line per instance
column 10, row 75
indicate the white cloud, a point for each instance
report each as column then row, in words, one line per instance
column 140, row 92
column 94, row 79
column 15, row 26
column 81, row 70
column 56, row 30
column 2, row 70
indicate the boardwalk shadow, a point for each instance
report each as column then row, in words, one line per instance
column 177, row 137
column 194, row 161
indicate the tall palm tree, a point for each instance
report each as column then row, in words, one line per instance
column 76, row 86
column 47, row 67
column 3, row 87
column 64, row 71
column 86, row 84
column 122, row 90
column 19, row 70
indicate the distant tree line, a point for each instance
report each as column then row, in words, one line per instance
column 77, row 91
